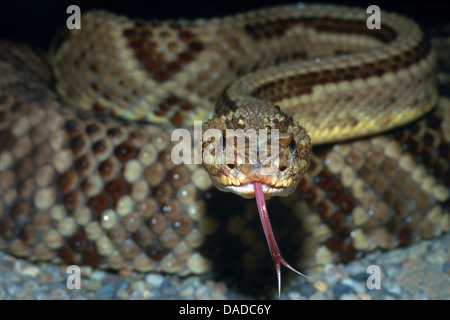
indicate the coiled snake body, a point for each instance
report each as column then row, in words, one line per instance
column 78, row 184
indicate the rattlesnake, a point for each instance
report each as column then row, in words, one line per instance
column 103, row 191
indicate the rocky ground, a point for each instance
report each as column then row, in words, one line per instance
column 421, row 271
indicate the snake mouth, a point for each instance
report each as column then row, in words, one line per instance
column 248, row 190
column 270, row 187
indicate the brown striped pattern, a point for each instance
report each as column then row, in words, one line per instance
column 303, row 83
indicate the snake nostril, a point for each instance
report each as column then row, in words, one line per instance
column 282, row 168
column 231, row 166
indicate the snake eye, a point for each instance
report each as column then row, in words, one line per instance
column 292, row 145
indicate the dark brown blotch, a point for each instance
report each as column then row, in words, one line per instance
column 165, row 157
column 6, row 228
column 42, row 154
column 173, row 67
column 98, row 203
column 143, row 237
column 178, row 176
column 186, row 56
column 161, row 76
column 72, row 200
column 124, row 151
column 156, row 253
column 20, row 212
column 196, row 46
column 78, row 242
column 78, row 144
column 107, row 168
column 346, row 204
column 72, row 126
column 99, row 147
column 187, row 106
column 91, row 257
column 5, row 137
column 162, row 192
column 23, row 168
column 337, row 221
column 92, row 129
column 405, row 235
column 323, row 209
column 183, row 225
column 67, row 181
column 26, row 188
column 67, row 255
column 178, row 118
column 115, row 188
column 324, row 179
column 29, row 235
column 312, row 195
column 335, row 243
column 82, row 164
column 348, row 253
column 186, row 36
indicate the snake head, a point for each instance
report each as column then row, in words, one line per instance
column 255, row 143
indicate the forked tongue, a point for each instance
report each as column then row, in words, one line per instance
column 273, row 247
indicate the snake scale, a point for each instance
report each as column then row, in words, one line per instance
column 86, row 175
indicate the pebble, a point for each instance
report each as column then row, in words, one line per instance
column 30, row 285
column 138, row 286
column 106, row 291
column 356, row 269
column 348, row 296
column 363, row 296
column 356, row 285
column 446, row 267
column 44, row 277
column 154, row 280
column 308, row 289
column 321, row 286
column 396, row 256
column 123, row 294
column 168, row 289
column 31, row 271
column 59, row 294
column 392, row 287
column 342, row 289
column 295, row 296
column 3, row 294
column 318, row 296
column 92, row 285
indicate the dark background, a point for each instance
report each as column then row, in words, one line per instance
column 35, row 22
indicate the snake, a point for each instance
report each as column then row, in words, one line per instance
column 86, row 137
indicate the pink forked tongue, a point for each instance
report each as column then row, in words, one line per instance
column 273, row 247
